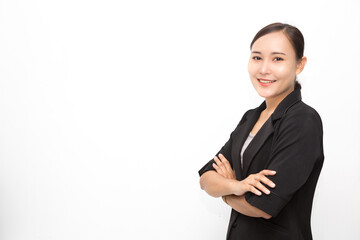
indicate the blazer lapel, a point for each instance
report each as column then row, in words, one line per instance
column 243, row 133
column 262, row 135
column 266, row 130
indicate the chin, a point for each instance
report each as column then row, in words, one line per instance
column 273, row 93
column 265, row 93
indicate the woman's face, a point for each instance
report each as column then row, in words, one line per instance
column 273, row 66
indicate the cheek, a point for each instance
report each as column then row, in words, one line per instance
column 285, row 71
column 251, row 68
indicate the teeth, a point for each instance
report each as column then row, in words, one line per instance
column 264, row 81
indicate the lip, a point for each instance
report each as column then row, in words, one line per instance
column 265, row 84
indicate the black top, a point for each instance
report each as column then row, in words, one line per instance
column 291, row 143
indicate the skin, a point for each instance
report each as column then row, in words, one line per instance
column 272, row 58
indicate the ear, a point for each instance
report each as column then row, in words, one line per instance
column 301, row 64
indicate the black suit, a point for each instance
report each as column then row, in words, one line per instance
column 291, row 143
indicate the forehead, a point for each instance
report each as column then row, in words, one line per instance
column 273, row 42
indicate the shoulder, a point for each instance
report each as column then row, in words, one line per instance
column 247, row 114
column 302, row 117
column 301, row 110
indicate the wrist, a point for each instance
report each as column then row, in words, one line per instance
column 237, row 188
column 233, row 186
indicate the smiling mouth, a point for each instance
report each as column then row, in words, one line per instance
column 266, row 80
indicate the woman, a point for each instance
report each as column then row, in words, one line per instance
column 267, row 171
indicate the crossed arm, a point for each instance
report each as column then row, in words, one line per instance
column 223, row 182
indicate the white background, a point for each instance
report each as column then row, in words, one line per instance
column 109, row 108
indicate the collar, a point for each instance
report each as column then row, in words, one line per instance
column 284, row 105
column 262, row 135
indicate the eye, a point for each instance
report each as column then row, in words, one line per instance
column 256, row 58
column 278, row 59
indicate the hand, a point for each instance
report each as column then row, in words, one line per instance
column 253, row 183
column 222, row 167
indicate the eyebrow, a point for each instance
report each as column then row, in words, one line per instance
column 271, row 53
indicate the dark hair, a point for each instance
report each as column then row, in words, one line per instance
column 292, row 33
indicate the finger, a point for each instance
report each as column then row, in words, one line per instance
column 218, row 162
column 218, row 170
column 254, row 190
column 267, row 181
column 227, row 166
column 225, row 162
column 267, row 172
column 223, row 158
column 262, row 188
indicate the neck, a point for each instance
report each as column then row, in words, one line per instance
column 272, row 103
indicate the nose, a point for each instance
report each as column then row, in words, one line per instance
column 265, row 67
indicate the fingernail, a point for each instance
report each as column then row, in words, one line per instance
column 267, row 192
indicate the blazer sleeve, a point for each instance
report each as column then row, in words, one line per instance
column 296, row 149
column 225, row 150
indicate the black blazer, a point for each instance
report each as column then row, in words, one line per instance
column 291, row 143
